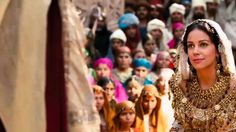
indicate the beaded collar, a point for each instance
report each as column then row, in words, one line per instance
column 219, row 115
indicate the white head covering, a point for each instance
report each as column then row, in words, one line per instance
column 212, row 1
column 224, row 48
column 196, row 3
column 155, row 24
column 118, row 34
column 177, row 8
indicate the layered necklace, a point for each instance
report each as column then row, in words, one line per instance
column 209, row 97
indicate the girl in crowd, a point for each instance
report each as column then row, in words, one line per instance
column 177, row 31
column 138, row 53
column 124, row 118
column 105, row 112
column 123, row 61
column 109, row 87
column 134, row 88
column 129, row 24
column 149, row 116
column 141, row 69
column 117, row 40
column 103, row 68
column 204, row 85
column 150, row 48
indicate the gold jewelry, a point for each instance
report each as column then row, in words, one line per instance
column 205, row 98
column 219, row 114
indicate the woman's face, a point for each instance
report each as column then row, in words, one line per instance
column 102, row 71
column 201, row 50
column 99, row 98
column 178, row 33
column 127, row 117
column 110, row 90
column 149, row 103
column 131, row 31
column 134, row 90
column 149, row 46
column 116, row 43
column 156, row 34
column 124, row 60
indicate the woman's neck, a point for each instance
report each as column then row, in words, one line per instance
column 124, row 129
column 206, row 78
column 123, row 69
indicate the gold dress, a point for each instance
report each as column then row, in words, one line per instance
column 212, row 110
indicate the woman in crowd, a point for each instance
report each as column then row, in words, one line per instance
column 123, row 60
column 103, row 68
column 124, row 118
column 177, row 31
column 204, row 85
column 105, row 112
column 134, row 88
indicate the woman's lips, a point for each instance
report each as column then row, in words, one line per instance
column 198, row 60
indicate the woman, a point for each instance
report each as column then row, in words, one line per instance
column 124, row 118
column 149, row 111
column 105, row 112
column 123, row 61
column 103, row 68
column 204, row 85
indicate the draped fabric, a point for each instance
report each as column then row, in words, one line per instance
column 22, row 64
column 42, row 80
column 81, row 111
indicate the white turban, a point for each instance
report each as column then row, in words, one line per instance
column 196, row 3
column 177, row 8
column 155, row 24
column 212, row 1
column 118, row 34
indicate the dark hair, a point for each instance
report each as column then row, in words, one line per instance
column 205, row 27
column 104, row 81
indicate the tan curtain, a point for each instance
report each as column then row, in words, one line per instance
column 82, row 113
column 22, row 64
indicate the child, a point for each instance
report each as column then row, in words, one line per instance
column 141, row 69
column 134, row 88
column 104, row 110
column 124, row 118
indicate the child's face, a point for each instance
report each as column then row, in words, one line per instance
column 141, row 72
column 149, row 103
column 110, row 90
column 134, row 90
column 102, row 71
column 163, row 60
column 139, row 55
column 99, row 98
column 127, row 117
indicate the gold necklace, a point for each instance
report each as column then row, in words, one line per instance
column 206, row 98
column 205, row 119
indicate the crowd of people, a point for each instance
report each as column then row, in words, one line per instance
column 168, row 67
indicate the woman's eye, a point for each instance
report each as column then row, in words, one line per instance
column 203, row 44
column 190, row 45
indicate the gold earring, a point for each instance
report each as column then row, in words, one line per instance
column 218, row 69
